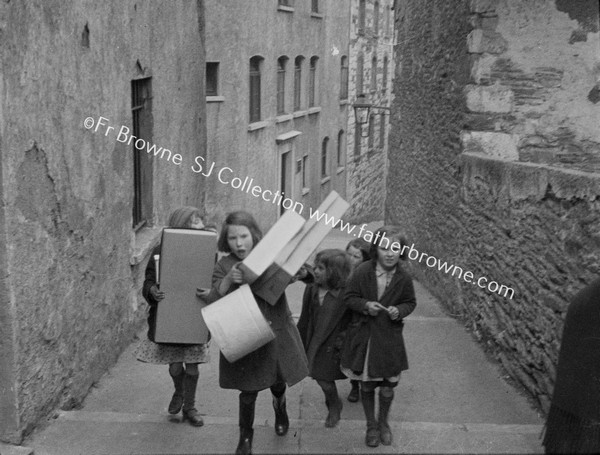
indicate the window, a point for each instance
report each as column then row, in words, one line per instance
column 305, row 171
column 344, row 78
column 376, row 19
column 359, row 73
column 255, row 64
column 384, row 75
column 374, row 74
column 387, row 20
column 141, row 109
column 382, row 131
column 298, row 82
column 312, row 81
column 371, row 131
column 357, row 139
column 361, row 16
column 289, row 3
column 212, row 78
column 314, row 8
column 324, row 158
column 281, row 66
column 340, row 149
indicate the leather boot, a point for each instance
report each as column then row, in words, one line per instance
column 177, row 399
column 334, row 404
column 282, row 422
column 247, row 404
column 368, row 402
column 189, row 400
column 244, row 446
column 385, row 432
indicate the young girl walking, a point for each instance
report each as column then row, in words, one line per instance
column 380, row 294
column 358, row 252
column 281, row 361
column 183, row 359
column 323, row 323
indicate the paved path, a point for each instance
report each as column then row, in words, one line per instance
column 451, row 400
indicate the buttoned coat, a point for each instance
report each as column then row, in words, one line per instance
column 326, row 363
column 282, row 358
column 387, row 353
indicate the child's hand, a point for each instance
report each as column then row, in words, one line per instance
column 393, row 312
column 300, row 275
column 236, row 275
column 373, row 308
column 156, row 293
column 202, row 293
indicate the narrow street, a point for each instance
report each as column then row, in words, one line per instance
column 451, row 400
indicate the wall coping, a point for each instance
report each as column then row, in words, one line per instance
column 518, row 180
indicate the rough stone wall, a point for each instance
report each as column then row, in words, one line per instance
column 492, row 152
column 73, row 262
column 367, row 171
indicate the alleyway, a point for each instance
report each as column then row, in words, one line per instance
column 451, row 400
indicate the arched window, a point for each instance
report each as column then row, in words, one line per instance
column 344, row 78
column 357, row 139
column 340, row 149
column 255, row 68
column 385, row 74
column 281, row 68
column 359, row 73
column 376, row 19
column 298, row 62
column 374, row 74
column 361, row 16
column 324, row 158
column 312, row 82
column 371, row 131
column 382, row 131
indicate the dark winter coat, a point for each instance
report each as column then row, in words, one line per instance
column 326, row 362
column 573, row 423
column 281, row 359
column 149, row 281
column 387, row 355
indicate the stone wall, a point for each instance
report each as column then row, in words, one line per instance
column 73, row 264
column 493, row 154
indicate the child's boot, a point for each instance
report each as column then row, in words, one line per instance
column 334, row 404
column 368, row 402
column 177, row 399
column 247, row 404
column 354, row 394
column 282, row 422
column 189, row 400
column 385, row 402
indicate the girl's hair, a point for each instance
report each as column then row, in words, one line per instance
column 392, row 234
column 337, row 267
column 362, row 245
column 239, row 218
column 181, row 217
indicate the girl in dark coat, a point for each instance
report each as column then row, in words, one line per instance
column 358, row 252
column 322, row 326
column 273, row 365
column 380, row 295
column 182, row 359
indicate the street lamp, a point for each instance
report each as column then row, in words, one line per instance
column 362, row 110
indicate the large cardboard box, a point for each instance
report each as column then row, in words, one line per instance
column 187, row 262
column 272, row 283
